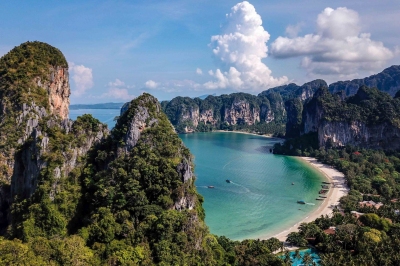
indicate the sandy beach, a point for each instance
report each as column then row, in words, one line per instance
column 335, row 193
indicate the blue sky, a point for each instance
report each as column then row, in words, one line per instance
column 118, row 49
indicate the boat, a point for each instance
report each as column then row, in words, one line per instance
column 323, row 191
column 324, row 186
column 323, row 197
column 292, row 183
column 228, row 181
column 320, row 199
column 301, row 202
column 326, row 183
column 210, row 186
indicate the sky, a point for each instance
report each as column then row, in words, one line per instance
column 117, row 50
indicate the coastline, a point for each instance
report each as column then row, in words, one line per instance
column 332, row 200
column 247, row 133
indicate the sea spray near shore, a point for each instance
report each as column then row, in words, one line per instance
column 261, row 200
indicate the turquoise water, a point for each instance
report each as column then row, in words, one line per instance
column 298, row 262
column 261, row 200
column 104, row 115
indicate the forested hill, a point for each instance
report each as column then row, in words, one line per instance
column 368, row 119
column 388, row 81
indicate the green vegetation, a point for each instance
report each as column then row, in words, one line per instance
column 373, row 238
column 21, row 70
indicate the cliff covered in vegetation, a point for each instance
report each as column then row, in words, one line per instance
column 265, row 113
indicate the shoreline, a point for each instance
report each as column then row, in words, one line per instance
column 247, row 133
column 335, row 193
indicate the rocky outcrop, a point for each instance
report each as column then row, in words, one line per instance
column 57, row 87
column 369, row 119
column 356, row 133
column 387, row 81
column 241, row 113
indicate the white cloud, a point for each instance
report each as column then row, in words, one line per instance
column 293, row 30
column 82, row 77
column 118, row 90
column 199, row 71
column 337, row 48
column 118, row 93
column 150, row 84
column 116, row 83
column 239, row 51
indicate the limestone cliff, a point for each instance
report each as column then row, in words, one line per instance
column 39, row 144
column 369, row 119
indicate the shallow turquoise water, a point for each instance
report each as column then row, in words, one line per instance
column 261, row 200
column 298, row 262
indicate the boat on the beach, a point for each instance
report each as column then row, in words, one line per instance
column 324, row 197
column 228, row 181
column 323, row 191
column 324, row 186
column 320, row 199
column 323, row 182
column 301, row 202
column 210, row 186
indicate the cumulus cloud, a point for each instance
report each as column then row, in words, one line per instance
column 150, row 84
column 337, row 48
column 199, row 71
column 82, row 77
column 239, row 50
column 118, row 90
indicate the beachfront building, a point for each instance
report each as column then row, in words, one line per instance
column 370, row 203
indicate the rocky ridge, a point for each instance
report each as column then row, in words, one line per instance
column 369, row 119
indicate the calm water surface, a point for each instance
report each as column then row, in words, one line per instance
column 261, row 200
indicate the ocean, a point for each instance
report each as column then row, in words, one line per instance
column 260, row 201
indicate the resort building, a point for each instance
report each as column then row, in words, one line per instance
column 371, row 204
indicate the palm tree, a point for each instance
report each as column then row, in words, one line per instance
column 307, row 259
column 297, row 254
column 287, row 259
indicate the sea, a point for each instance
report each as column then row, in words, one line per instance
column 261, row 197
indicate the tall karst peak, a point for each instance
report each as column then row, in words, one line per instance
column 34, row 73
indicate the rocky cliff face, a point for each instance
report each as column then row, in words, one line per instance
column 240, row 112
column 36, row 134
column 356, row 133
column 369, row 119
column 58, row 89
column 387, row 81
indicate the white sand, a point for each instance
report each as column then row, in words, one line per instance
column 338, row 189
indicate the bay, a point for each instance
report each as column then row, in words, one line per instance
column 261, row 200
